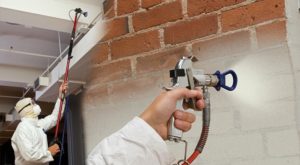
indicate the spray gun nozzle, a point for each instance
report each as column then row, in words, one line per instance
column 222, row 80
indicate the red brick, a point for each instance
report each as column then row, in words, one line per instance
column 108, row 8
column 127, row 6
column 115, row 28
column 191, row 29
column 159, row 61
column 271, row 34
column 252, row 14
column 196, row 7
column 227, row 45
column 99, row 53
column 157, row 16
column 150, row 3
column 110, row 14
column 110, row 72
column 136, row 44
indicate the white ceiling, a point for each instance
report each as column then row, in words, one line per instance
column 33, row 33
column 29, row 46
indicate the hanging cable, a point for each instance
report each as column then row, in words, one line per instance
column 66, row 116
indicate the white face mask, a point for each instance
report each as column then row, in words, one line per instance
column 36, row 109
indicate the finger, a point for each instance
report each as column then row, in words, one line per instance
column 201, row 93
column 184, row 116
column 183, row 125
column 200, row 104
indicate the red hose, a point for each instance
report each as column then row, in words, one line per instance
column 200, row 145
column 192, row 157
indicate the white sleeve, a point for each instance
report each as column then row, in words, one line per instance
column 135, row 144
column 28, row 150
column 50, row 121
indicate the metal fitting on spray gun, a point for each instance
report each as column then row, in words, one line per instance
column 185, row 76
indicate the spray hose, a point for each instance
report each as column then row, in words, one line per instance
column 205, row 129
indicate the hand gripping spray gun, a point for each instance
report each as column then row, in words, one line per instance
column 185, row 76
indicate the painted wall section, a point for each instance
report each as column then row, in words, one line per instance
column 256, row 124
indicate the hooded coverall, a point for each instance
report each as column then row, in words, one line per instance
column 29, row 140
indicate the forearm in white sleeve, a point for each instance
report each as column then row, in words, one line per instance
column 50, row 121
column 135, row 144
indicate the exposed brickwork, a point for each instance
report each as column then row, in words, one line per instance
column 252, row 14
column 196, row 7
column 127, row 6
column 159, row 61
column 100, row 53
column 271, row 34
column 191, row 29
column 136, row 44
column 115, row 28
column 150, row 3
column 157, row 16
column 108, row 8
column 110, row 72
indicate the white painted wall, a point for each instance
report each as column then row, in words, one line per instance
column 293, row 25
column 256, row 124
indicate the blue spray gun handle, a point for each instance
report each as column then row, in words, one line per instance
column 222, row 80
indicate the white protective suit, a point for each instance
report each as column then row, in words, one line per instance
column 29, row 140
column 137, row 143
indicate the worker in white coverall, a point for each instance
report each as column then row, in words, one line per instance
column 29, row 140
column 141, row 141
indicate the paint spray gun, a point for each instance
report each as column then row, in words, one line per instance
column 185, row 76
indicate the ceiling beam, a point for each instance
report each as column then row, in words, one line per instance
column 18, row 76
column 80, row 56
column 27, row 53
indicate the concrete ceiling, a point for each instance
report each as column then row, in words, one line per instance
column 33, row 33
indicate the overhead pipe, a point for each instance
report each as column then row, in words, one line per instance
column 27, row 53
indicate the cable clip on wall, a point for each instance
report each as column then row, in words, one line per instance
column 185, row 76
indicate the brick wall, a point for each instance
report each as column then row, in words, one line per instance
column 145, row 38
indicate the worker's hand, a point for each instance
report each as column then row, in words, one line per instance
column 63, row 89
column 54, row 149
column 164, row 106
